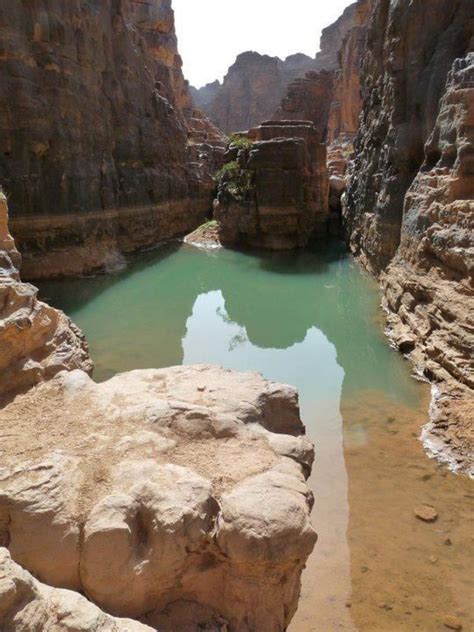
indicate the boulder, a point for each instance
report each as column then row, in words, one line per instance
column 161, row 487
column 26, row 604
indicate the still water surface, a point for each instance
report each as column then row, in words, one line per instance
column 311, row 320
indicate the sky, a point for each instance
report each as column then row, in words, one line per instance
column 211, row 33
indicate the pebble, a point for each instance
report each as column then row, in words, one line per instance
column 448, row 542
column 433, row 559
column 348, row 604
column 385, row 606
column 364, row 569
column 452, row 623
column 426, row 513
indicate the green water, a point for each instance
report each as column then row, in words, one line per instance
column 311, row 320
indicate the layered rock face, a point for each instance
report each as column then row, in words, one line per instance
column 93, row 135
column 332, row 38
column 309, row 99
column 36, row 341
column 252, row 89
column 276, row 198
column 428, row 287
column 161, row 495
column 410, row 50
column 346, row 102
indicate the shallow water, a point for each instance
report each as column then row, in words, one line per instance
column 311, row 320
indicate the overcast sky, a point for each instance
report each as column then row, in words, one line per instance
column 211, row 33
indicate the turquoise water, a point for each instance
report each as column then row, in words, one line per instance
column 311, row 320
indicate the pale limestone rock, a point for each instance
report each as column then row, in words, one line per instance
column 162, row 487
column 26, row 605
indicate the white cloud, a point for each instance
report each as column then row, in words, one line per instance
column 211, row 33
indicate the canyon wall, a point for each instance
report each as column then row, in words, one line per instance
column 410, row 50
column 251, row 90
column 408, row 212
column 93, row 132
column 36, row 341
column 429, row 285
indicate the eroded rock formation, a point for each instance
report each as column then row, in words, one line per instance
column 276, row 197
column 26, row 604
column 93, row 141
column 429, row 286
column 251, row 90
column 410, row 50
column 159, row 492
column 332, row 38
column 36, row 341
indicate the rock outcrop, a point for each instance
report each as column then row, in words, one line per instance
column 94, row 132
column 346, row 102
column 251, row 90
column 410, row 50
column 26, row 604
column 429, row 286
column 158, row 494
column 332, row 38
column 275, row 193
column 36, row 341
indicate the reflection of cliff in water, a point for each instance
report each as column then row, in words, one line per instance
column 276, row 298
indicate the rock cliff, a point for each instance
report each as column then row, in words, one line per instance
column 410, row 50
column 429, row 286
column 273, row 194
column 36, row 341
column 161, row 495
column 332, row 38
column 93, row 139
column 251, row 90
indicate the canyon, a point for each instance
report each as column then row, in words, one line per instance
column 180, row 497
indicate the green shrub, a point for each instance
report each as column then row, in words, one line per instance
column 241, row 142
column 234, row 181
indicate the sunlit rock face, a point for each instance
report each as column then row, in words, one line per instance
column 279, row 198
column 26, row 604
column 36, row 341
column 94, row 133
column 429, row 285
column 163, row 495
column 410, row 50
column 251, row 90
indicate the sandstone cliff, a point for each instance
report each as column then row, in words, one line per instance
column 251, row 90
column 429, row 286
column 36, row 341
column 273, row 194
column 173, row 496
column 332, row 38
column 93, row 139
column 410, row 50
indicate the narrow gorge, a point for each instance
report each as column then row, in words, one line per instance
column 240, row 395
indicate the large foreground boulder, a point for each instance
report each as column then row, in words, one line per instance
column 160, row 493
